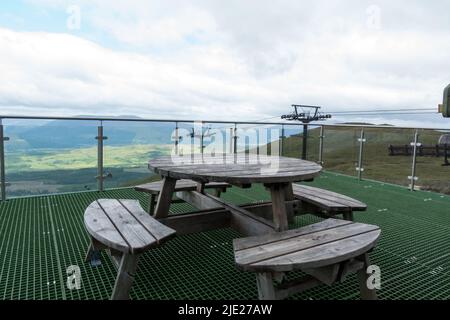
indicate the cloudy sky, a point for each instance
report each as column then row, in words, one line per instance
column 233, row 59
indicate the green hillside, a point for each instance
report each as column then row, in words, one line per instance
column 341, row 150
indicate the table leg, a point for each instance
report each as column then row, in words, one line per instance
column 290, row 209
column 278, row 193
column 165, row 198
column 201, row 187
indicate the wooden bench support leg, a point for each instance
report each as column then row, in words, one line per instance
column 89, row 253
column 348, row 216
column 125, row 277
column 266, row 289
column 151, row 204
column 217, row 192
column 93, row 253
column 366, row 293
column 165, row 198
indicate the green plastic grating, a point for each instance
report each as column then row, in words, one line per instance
column 41, row 236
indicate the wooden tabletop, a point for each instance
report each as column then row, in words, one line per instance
column 235, row 168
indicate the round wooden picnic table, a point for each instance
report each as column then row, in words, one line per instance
column 276, row 173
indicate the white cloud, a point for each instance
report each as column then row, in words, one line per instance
column 242, row 60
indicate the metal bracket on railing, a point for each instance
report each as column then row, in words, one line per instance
column 360, row 169
column 413, row 178
column 105, row 176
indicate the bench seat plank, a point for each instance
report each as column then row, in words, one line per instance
column 250, row 242
column 323, row 255
column 327, row 200
column 102, row 229
column 124, row 226
column 181, row 185
column 158, row 230
column 325, row 243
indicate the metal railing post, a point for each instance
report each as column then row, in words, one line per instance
column 322, row 132
column 100, row 174
column 360, row 168
column 446, row 163
column 192, row 135
column 413, row 178
column 257, row 141
column 202, row 133
column 281, row 140
column 177, row 138
column 2, row 162
column 235, row 137
column 305, row 141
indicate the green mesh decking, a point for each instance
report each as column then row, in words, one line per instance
column 40, row 237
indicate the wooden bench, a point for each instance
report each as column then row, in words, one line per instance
column 326, row 203
column 126, row 230
column 154, row 188
column 326, row 251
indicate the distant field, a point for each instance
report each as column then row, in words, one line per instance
column 82, row 158
column 66, row 170
column 40, row 171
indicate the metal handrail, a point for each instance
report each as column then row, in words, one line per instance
column 233, row 135
column 315, row 124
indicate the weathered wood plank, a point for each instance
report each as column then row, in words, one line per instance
column 198, row 222
column 102, row 229
column 247, row 226
column 181, row 185
column 295, row 286
column 263, row 210
column 291, row 207
column 220, row 159
column 231, row 171
column 319, row 256
column 133, row 232
column 198, row 200
column 267, row 251
column 237, row 168
column 159, row 231
column 278, row 193
column 266, row 289
column 244, row 221
column 366, row 293
column 232, row 207
column 124, row 226
column 165, row 198
column 250, row 242
column 328, row 200
column 250, row 170
column 125, row 277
